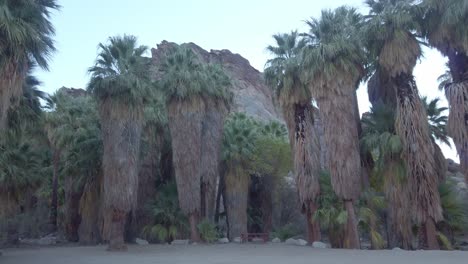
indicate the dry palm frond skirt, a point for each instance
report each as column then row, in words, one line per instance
column 185, row 125
column 412, row 127
column 211, row 143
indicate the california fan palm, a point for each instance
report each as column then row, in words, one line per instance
column 334, row 64
column 445, row 29
column 283, row 75
column 390, row 28
column 119, row 82
column 26, row 39
column 191, row 90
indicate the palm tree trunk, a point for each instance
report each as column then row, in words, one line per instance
column 313, row 226
column 236, row 190
column 90, row 206
column 186, row 126
column 121, row 125
column 117, row 231
column 457, row 96
column 54, row 196
column 430, row 234
column 72, row 219
column 351, row 231
column 412, row 127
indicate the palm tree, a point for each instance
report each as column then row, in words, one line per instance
column 26, row 34
column 240, row 134
column 333, row 65
column 216, row 110
column 390, row 29
column 190, row 90
column 380, row 139
column 283, row 75
column 438, row 129
column 120, row 84
column 445, row 29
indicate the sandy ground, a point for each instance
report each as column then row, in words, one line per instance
column 225, row 254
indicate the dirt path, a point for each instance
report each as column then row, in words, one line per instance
column 226, row 254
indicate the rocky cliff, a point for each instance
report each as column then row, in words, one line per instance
column 251, row 95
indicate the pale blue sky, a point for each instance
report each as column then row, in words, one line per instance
column 242, row 26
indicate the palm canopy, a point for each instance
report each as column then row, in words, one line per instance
column 437, row 120
column 445, row 24
column 391, row 39
column 334, row 45
column 240, row 134
column 185, row 76
column 26, row 32
column 121, row 71
column 282, row 72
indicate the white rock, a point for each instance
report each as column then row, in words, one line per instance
column 223, row 240
column 237, row 240
column 461, row 185
column 47, row 241
column 301, row 242
column 276, row 240
column 180, row 242
column 257, row 239
column 141, row 242
column 397, row 249
column 318, row 244
column 291, row 241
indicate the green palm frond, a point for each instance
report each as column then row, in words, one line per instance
column 334, row 44
column 121, row 72
column 437, row 119
column 26, row 32
column 185, row 76
column 240, row 134
column 282, row 72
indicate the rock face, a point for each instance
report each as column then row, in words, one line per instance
column 251, row 95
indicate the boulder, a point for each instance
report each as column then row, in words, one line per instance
column 397, row 249
column 290, row 241
column 237, row 240
column 141, row 242
column 223, row 240
column 276, row 240
column 301, row 242
column 318, row 244
column 257, row 240
column 180, row 242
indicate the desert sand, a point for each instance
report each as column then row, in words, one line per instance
column 225, row 254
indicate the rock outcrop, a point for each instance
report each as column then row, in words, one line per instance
column 251, row 95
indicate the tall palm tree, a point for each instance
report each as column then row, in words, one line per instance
column 283, row 75
column 191, row 88
column 240, row 134
column 380, row 139
column 26, row 34
column 216, row 110
column 390, row 29
column 445, row 29
column 334, row 64
column 120, row 84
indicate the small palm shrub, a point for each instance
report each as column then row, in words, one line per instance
column 208, row 232
column 169, row 220
column 285, row 232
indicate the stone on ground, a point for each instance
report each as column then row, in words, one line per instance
column 290, row 241
column 276, row 240
column 180, row 242
column 318, row 244
column 141, row 242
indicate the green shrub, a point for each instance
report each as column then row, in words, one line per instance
column 285, row 232
column 207, row 231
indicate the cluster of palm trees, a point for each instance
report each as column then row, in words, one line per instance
column 97, row 142
column 324, row 67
